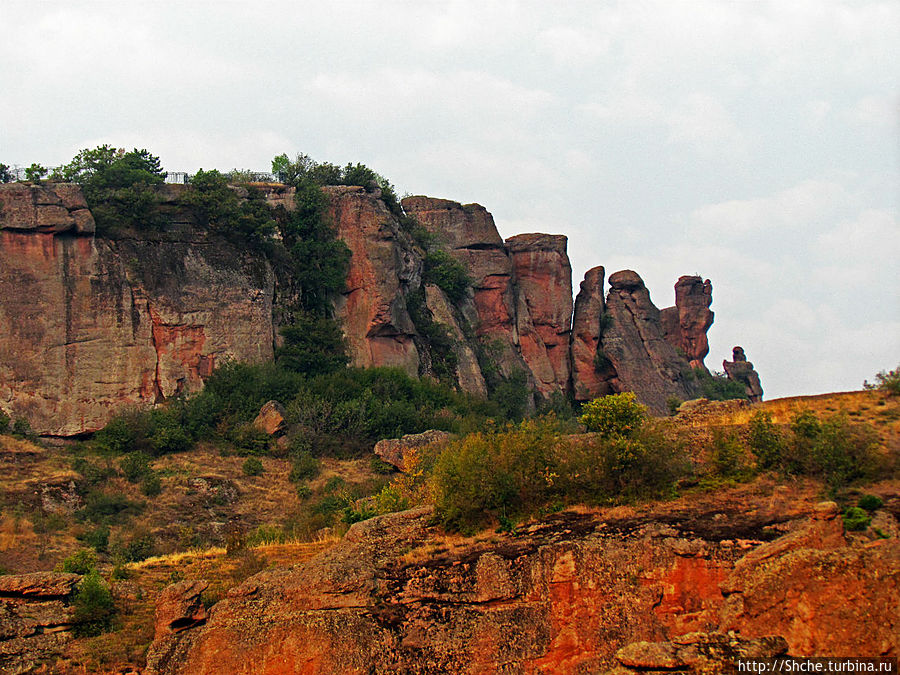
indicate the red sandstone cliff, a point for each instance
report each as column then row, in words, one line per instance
column 91, row 324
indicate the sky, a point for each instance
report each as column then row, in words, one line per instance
column 754, row 143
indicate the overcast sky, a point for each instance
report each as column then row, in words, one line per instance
column 753, row 143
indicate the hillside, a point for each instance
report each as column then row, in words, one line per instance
column 437, row 598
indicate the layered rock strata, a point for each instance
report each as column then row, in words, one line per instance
column 36, row 618
column 568, row 594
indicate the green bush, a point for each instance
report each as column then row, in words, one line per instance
column 716, row 386
column 139, row 547
column 447, row 273
column 97, row 538
column 151, row 486
column 727, row 455
column 21, row 428
column 766, row 441
column 108, row 508
column 253, row 467
column 216, row 206
column 94, row 606
column 870, row 503
column 303, row 467
column 304, row 492
column 618, row 415
column 82, row 561
column 313, row 345
column 856, row 519
column 886, row 381
column 135, row 466
column 4, row 422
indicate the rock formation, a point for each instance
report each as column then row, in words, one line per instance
column 633, row 342
column 401, row 452
column 685, row 324
column 36, row 618
column 544, row 278
column 93, row 324
column 590, row 377
column 742, row 371
column 568, row 594
column 373, row 309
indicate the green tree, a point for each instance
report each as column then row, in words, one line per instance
column 219, row 207
column 313, row 345
column 35, row 172
column 94, row 606
column 6, row 174
column 618, row 415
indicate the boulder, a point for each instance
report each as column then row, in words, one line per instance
column 271, row 419
column 180, row 607
column 401, row 452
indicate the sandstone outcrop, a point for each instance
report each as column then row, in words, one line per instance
column 572, row 593
column 35, row 618
column 544, row 278
column 588, row 377
column 634, row 344
column 685, row 325
column 469, row 234
column 95, row 325
column 741, row 370
column 373, row 310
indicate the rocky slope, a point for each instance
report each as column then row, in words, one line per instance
column 568, row 594
column 91, row 324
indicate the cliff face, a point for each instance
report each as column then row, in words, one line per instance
column 570, row 594
column 92, row 324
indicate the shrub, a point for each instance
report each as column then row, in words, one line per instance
column 870, row 503
column 253, row 467
column 313, row 345
column 139, row 547
column 94, row 607
column 151, row 486
column 843, row 451
column 135, row 466
column 447, row 273
column 727, row 455
column 4, row 422
column 886, row 381
column 21, row 428
column 216, row 206
column 673, row 403
column 304, row 492
column 108, row 508
column 97, row 538
column 304, row 467
column 82, row 561
column 618, row 415
column 717, row 386
column 766, row 441
column 856, row 519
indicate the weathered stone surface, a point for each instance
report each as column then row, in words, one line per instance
column 698, row 653
column 823, row 597
column 685, row 325
column 179, row 607
column 401, row 452
column 99, row 324
column 38, row 584
column 35, row 618
column 544, row 278
column 468, row 371
column 741, row 370
column 568, row 594
column 271, row 418
column 634, row 344
column 52, row 208
column 588, row 380
column 373, row 310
